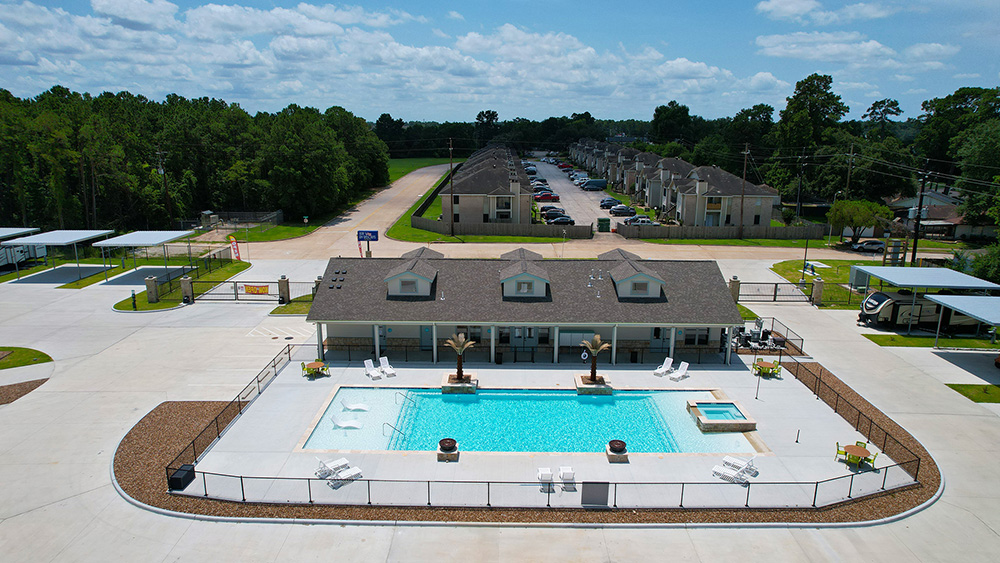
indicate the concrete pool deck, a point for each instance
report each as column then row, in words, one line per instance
column 266, row 440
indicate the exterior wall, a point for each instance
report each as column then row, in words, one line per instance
column 510, row 287
column 423, row 286
column 402, row 331
column 625, row 287
column 692, row 210
column 348, row 331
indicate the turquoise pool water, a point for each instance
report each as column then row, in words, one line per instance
column 519, row 421
column 720, row 411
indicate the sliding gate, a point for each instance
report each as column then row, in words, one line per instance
column 235, row 291
column 782, row 292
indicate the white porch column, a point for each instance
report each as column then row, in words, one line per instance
column 378, row 351
column 614, row 345
column 673, row 337
column 319, row 341
column 555, row 339
column 434, row 347
column 493, row 344
column 729, row 345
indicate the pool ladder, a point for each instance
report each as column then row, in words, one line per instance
column 394, row 429
column 399, row 394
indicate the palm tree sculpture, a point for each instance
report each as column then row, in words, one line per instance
column 459, row 344
column 594, row 346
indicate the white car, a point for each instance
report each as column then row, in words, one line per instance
column 876, row 246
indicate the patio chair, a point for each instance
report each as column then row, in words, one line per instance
column 664, row 368
column 385, row 367
column 544, row 475
column 342, row 478
column 330, row 468
column 360, row 407
column 729, row 474
column 347, row 424
column 744, row 465
column 861, row 444
column 566, row 473
column 371, row 371
column 681, row 372
column 840, row 451
column 870, row 460
column 304, row 370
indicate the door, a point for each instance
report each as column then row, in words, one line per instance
column 426, row 338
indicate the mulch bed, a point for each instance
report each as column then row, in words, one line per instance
column 158, row 438
column 14, row 391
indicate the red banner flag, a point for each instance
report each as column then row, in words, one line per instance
column 235, row 247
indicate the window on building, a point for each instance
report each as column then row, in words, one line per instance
column 543, row 336
column 756, row 219
column 407, row 286
column 529, row 332
column 729, row 219
column 656, row 333
column 456, row 218
column 454, row 200
column 640, row 288
column 525, row 287
column 696, row 336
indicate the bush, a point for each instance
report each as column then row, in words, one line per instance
column 787, row 215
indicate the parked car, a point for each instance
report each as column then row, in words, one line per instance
column 622, row 210
column 553, row 213
column 595, row 184
column 608, row 203
column 546, row 196
column 540, row 189
column 545, row 208
column 640, row 220
column 876, row 246
column 561, row 220
column 564, row 166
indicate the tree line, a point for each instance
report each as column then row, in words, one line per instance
column 124, row 162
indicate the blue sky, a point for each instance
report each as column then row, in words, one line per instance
column 441, row 61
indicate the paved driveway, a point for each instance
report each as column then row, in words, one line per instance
column 582, row 206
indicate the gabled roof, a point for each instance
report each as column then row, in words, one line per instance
column 521, row 254
column 722, row 183
column 530, row 267
column 676, row 166
column 422, row 252
column 629, row 268
column 618, row 254
column 415, row 266
column 648, row 158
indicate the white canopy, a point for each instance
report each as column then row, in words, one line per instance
column 143, row 238
column 56, row 238
column 7, row 232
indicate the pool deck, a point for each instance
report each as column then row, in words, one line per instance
column 266, row 440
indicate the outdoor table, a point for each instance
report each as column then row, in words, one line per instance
column 315, row 365
column 766, row 368
column 857, row 453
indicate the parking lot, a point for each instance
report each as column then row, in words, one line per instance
column 582, row 206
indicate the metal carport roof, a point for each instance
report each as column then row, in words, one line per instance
column 58, row 238
column 983, row 308
column 938, row 278
column 7, row 232
column 145, row 239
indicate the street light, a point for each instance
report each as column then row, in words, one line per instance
column 831, row 222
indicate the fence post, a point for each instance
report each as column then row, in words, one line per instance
column 310, row 489
column 204, row 483
column 682, row 495
column 236, row 293
column 487, row 493
column 428, row 493
column 242, row 490
column 885, row 475
column 152, row 291
column 815, row 494
column 775, row 293
column 748, row 495
column 369, row 492
column 850, row 487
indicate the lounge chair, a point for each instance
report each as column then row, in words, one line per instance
column 330, row 468
column 745, row 465
column 545, row 474
column 664, row 368
column 385, row 367
column 680, row 373
column 360, row 407
column 729, row 474
column 342, row 478
column 341, row 423
column 371, row 371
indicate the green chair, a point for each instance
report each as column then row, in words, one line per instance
column 871, row 459
column 304, row 371
column 853, row 459
column 840, row 451
column 861, row 444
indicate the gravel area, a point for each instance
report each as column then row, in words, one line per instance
column 157, row 438
column 13, row 392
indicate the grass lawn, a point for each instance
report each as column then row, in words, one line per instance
column 399, row 167
column 902, row 340
column 747, row 314
column 434, row 209
column 834, row 296
column 297, row 306
column 22, row 357
column 173, row 298
column 978, row 393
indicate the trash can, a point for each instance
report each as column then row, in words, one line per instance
column 634, row 356
column 604, row 224
column 499, row 357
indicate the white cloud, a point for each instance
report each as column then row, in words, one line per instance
column 787, row 9
column 438, row 33
column 841, row 46
column 137, row 14
column 810, row 11
column 455, row 15
column 930, row 51
column 966, row 75
column 765, row 82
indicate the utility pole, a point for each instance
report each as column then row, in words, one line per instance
column 451, row 190
column 166, row 191
column 743, row 188
column 798, row 192
column 916, row 223
column 850, row 167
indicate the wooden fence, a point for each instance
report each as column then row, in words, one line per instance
column 752, row 231
column 503, row 229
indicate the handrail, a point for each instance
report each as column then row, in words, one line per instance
column 410, row 399
column 384, row 424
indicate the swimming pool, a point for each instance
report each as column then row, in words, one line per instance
column 720, row 411
column 519, row 421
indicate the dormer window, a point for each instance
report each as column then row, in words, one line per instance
column 525, row 287
column 408, row 286
column 640, row 288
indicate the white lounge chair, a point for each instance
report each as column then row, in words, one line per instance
column 342, row 478
column 360, row 407
column 330, row 468
column 744, row 465
column 385, row 367
column 680, row 373
column 729, row 474
column 371, row 371
column 341, row 423
column 664, row 368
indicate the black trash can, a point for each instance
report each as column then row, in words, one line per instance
column 180, row 479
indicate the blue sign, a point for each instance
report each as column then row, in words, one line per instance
column 370, row 236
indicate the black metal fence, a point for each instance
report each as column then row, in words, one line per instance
column 776, row 292
column 506, row 354
column 235, row 290
column 169, row 287
column 768, row 336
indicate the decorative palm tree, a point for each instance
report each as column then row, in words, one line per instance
column 594, row 346
column 459, row 344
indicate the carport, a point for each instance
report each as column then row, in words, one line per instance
column 983, row 308
column 8, row 232
column 59, row 238
column 145, row 239
column 926, row 278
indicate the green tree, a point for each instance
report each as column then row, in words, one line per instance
column 978, row 151
column 856, row 215
column 670, row 122
column 594, row 347
column 750, row 125
column 987, row 264
column 878, row 115
column 460, row 345
column 486, row 126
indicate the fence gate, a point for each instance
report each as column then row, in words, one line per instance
column 785, row 292
column 235, row 291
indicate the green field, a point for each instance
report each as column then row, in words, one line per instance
column 173, row 298
column 297, row 306
column 22, row 357
column 399, row 167
column 978, row 393
column 834, row 296
column 747, row 314
column 902, row 340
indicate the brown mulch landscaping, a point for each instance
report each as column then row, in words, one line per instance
column 14, row 391
column 157, row 439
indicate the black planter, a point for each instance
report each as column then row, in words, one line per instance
column 616, row 446
column 447, row 444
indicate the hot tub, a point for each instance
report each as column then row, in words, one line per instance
column 720, row 416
